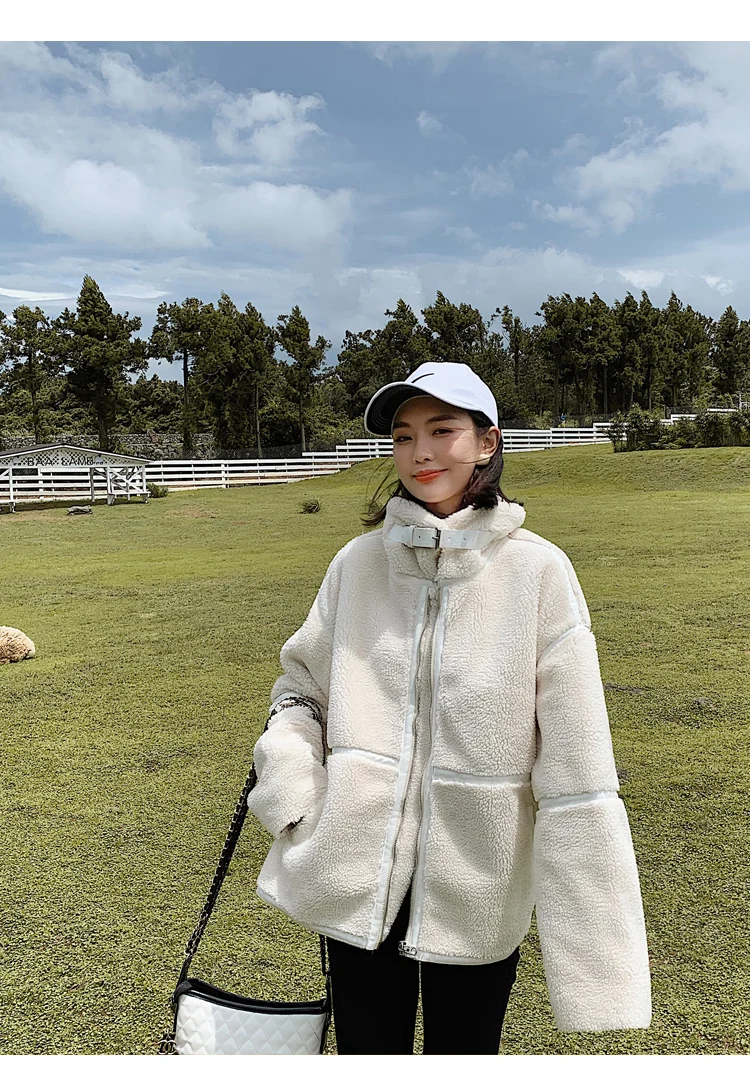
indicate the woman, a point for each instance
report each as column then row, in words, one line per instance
column 437, row 760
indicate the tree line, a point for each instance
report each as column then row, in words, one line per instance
column 252, row 384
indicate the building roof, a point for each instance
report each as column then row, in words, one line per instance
column 66, row 454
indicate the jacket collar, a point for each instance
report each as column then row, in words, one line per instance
column 494, row 523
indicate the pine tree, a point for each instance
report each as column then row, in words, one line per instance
column 98, row 352
column 182, row 331
column 257, row 343
column 293, row 335
column 27, row 350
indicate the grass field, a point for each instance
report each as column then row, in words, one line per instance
column 127, row 739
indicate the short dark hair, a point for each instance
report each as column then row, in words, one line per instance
column 483, row 489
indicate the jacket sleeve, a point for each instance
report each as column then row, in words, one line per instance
column 586, row 889
column 290, row 754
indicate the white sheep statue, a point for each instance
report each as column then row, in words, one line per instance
column 14, row 645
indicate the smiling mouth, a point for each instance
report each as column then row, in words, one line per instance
column 427, row 476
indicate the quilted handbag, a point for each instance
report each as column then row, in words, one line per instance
column 209, row 1021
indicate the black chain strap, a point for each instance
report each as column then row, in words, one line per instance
column 166, row 1044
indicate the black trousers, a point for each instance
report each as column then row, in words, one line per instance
column 375, row 996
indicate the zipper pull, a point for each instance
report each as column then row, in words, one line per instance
column 405, row 949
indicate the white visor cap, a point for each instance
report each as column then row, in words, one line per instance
column 454, row 383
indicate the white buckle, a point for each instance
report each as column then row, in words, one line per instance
column 425, row 537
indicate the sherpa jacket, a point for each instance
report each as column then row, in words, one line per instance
column 441, row 716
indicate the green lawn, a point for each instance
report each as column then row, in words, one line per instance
column 127, row 739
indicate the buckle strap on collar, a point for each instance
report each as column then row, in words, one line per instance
column 431, row 537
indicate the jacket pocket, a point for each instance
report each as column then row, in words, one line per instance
column 329, row 879
column 290, row 788
column 477, row 886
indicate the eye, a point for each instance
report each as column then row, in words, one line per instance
column 398, row 439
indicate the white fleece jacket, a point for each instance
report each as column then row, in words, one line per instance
column 441, row 716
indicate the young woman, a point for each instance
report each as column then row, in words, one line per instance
column 437, row 760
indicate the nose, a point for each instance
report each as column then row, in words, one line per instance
column 422, row 450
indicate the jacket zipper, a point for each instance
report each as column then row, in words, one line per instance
column 405, row 790
column 407, row 946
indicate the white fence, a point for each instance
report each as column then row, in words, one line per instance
column 71, row 482
column 226, row 473
column 41, row 483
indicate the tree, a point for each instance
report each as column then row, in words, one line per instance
column 293, row 335
column 154, row 404
column 730, row 355
column 687, row 336
column 257, row 343
column 370, row 359
column 562, row 342
column 602, row 347
column 402, row 344
column 458, row 332
column 27, row 350
column 517, row 341
column 98, row 351
column 651, row 346
column 630, row 363
column 234, row 372
column 182, row 330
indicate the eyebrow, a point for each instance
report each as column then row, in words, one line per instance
column 437, row 417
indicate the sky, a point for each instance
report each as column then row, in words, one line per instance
column 342, row 176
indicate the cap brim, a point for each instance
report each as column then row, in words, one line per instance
column 383, row 406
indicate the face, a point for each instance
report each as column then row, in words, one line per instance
column 432, row 435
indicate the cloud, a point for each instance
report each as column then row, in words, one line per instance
column 495, row 179
column 721, row 285
column 576, row 217
column 642, row 279
column 438, row 53
column 356, row 297
column 82, row 152
column 575, row 144
column 709, row 145
column 429, row 125
column 291, row 216
column 464, row 233
column 269, row 126
column 489, row 182
column 94, row 201
column 25, row 296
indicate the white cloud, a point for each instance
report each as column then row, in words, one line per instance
column 79, row 150
column 711, row 144
column 497, row 178
column 491, row 181
column 293, row 217
column 96, row 201
column 642, row 279
column 517, row 158
column 575, row 144
column 267, row 126
column 135, row 292
column 462, row 232
column 721, row 285
column 25, row 296
column 438, row 53
column 428, row 124
column 356, row 297
column 518, row 227
column 577, row 217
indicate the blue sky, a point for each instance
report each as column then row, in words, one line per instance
column 342, row 176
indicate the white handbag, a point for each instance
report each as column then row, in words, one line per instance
column 209, row 1021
